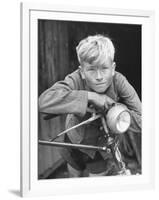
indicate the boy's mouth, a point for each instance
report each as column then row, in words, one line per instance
column 101, row 83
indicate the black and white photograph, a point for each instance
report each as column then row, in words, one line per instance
column 89, row 99
column 79, row 100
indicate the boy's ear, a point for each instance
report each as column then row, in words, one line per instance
column 81, row 71
column 113, row 66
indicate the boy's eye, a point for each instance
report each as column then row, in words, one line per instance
column 105, row 68
column 95, row 69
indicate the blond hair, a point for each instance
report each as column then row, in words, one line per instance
column 95, row 50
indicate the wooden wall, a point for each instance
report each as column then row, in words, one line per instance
column 57, row 57
column 52, row 66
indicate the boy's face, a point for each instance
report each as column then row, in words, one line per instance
column 98, row 78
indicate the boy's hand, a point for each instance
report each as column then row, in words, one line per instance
column 100, row 101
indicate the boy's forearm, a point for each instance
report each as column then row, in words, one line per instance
column 136, row 122
column 101, row 101
column 63, row 102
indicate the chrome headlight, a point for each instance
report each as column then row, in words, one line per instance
column 118, row 119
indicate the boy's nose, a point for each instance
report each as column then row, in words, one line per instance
column 99, row 76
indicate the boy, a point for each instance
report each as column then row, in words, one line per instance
column 95, row 83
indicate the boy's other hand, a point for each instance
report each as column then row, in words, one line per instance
column 100, row 101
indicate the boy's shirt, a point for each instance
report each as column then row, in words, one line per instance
column 70, row 97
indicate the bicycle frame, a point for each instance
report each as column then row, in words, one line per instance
column 110, row 145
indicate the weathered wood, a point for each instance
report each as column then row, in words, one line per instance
column 52, row 66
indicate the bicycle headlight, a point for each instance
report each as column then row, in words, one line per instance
column 118, row 119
